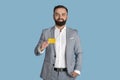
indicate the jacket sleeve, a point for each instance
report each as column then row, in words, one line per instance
column 39, row 43
column 78, row 53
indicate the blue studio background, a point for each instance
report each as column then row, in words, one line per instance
column 98, row 23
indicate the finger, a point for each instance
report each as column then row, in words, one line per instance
column 72, row 74
column 45, row 44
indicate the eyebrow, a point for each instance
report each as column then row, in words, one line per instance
column 58, row 13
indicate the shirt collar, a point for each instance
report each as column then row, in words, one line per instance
column 56, row 28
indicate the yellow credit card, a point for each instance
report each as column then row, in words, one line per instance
column 51, row 40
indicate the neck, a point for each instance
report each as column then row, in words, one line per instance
column 60, row 27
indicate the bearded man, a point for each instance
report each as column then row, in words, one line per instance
column 62, row 49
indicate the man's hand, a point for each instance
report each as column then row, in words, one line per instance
column 44, row 45
column 74, row 74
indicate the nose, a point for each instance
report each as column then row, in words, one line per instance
column 60, row 16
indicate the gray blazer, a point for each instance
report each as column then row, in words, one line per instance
column 72, row 52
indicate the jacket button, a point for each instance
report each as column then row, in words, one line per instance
column 53, row 64
column 54, row 55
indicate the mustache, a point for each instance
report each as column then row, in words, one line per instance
column 60, row 19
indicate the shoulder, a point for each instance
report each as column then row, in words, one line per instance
column 47, row 30
column 71, row 30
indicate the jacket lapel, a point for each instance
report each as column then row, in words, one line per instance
column 67, row 44
column 53, row 36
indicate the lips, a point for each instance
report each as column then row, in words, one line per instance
column 60, row 20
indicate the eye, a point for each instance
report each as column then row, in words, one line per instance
column 56, row 14
column 63, row 14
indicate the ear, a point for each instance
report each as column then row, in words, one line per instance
column 53, row 15
column 67, row 17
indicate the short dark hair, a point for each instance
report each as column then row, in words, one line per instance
column 60, row 6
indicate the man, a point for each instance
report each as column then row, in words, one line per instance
column 62, row 49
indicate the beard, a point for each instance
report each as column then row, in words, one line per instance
column 60, row 23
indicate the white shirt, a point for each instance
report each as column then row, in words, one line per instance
column 60, row 45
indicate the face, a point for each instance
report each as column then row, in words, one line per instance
column 60, row 16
